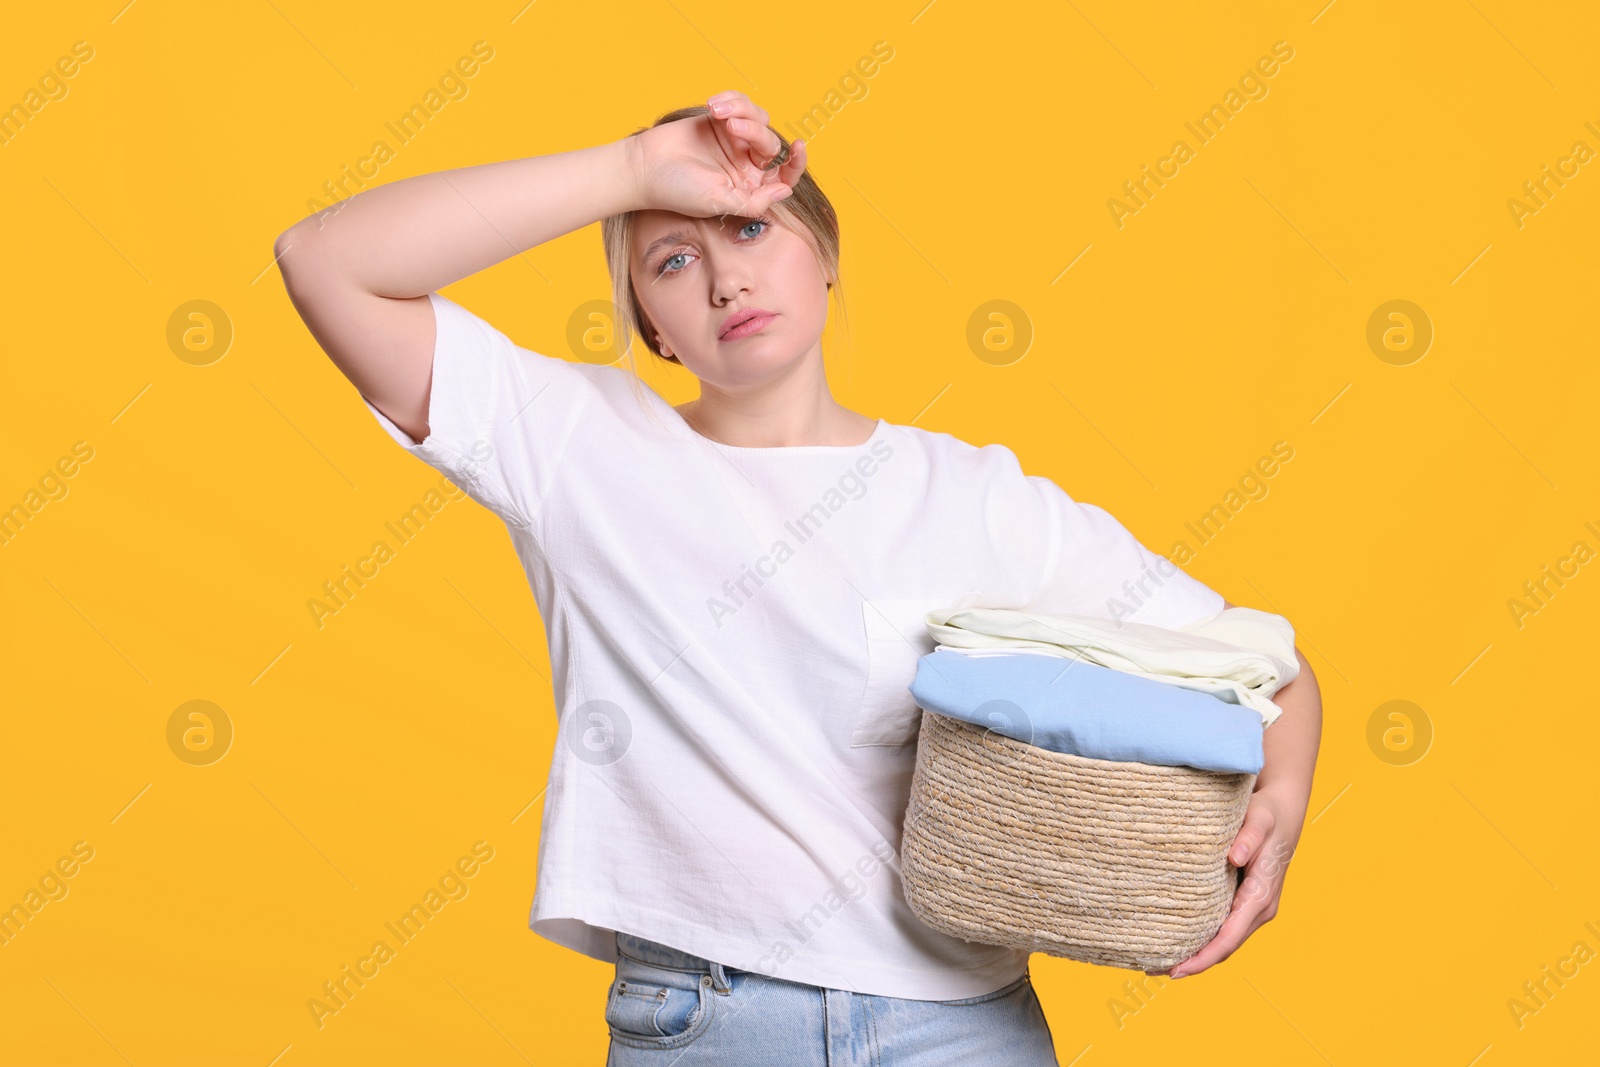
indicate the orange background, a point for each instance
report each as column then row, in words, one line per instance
column 1448, row 856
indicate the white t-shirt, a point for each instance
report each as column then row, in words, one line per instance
column 732, row 635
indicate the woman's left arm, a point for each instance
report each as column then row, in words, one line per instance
column 1272, row 823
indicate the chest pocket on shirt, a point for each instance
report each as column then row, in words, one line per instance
column 897, row 636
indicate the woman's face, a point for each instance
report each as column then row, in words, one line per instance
column 693, row 274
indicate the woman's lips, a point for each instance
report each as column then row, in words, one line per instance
column 754, row 324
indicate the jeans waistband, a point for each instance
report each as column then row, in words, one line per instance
column 642, row 948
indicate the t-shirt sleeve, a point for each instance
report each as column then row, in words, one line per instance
column 499, row 416
column 1084, row 562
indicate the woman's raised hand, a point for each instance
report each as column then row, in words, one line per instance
column 717, row 164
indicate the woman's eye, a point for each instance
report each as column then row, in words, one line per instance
column 666, row 266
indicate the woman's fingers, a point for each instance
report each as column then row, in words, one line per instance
column 758, row 178
column 741, row 129
column 725, row 107
column 1241, row 922
column 748, row 203
column 790, row 171
column 762, row 142
column 734, row 104
column 777, row 182
column 734, row 149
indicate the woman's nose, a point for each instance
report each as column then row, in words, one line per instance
column 727, row 284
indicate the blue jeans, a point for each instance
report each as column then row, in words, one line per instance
column 667, row 1008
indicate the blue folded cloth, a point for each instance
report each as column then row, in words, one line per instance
column 1068, row 705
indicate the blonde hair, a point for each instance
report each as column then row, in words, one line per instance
column 806, row 211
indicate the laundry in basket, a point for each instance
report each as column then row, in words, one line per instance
column 1068, row 705
column 1240, row 655
column 1113, row 861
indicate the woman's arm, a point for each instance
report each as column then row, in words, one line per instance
column 1289, row 749
column 416, row 235
column 1273, row 821
column 359, row 272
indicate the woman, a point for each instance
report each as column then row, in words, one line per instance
column 734, row 592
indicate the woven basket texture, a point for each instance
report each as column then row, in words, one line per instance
column 1112, row 863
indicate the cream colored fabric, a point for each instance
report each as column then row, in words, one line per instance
column 1240, row 655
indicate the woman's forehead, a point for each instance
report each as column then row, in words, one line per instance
column 653, row 223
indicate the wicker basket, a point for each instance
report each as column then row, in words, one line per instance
column 1112, row 863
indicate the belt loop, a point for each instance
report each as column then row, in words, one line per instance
column 719, row 979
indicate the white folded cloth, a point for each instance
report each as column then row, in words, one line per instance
column 1240, row 655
